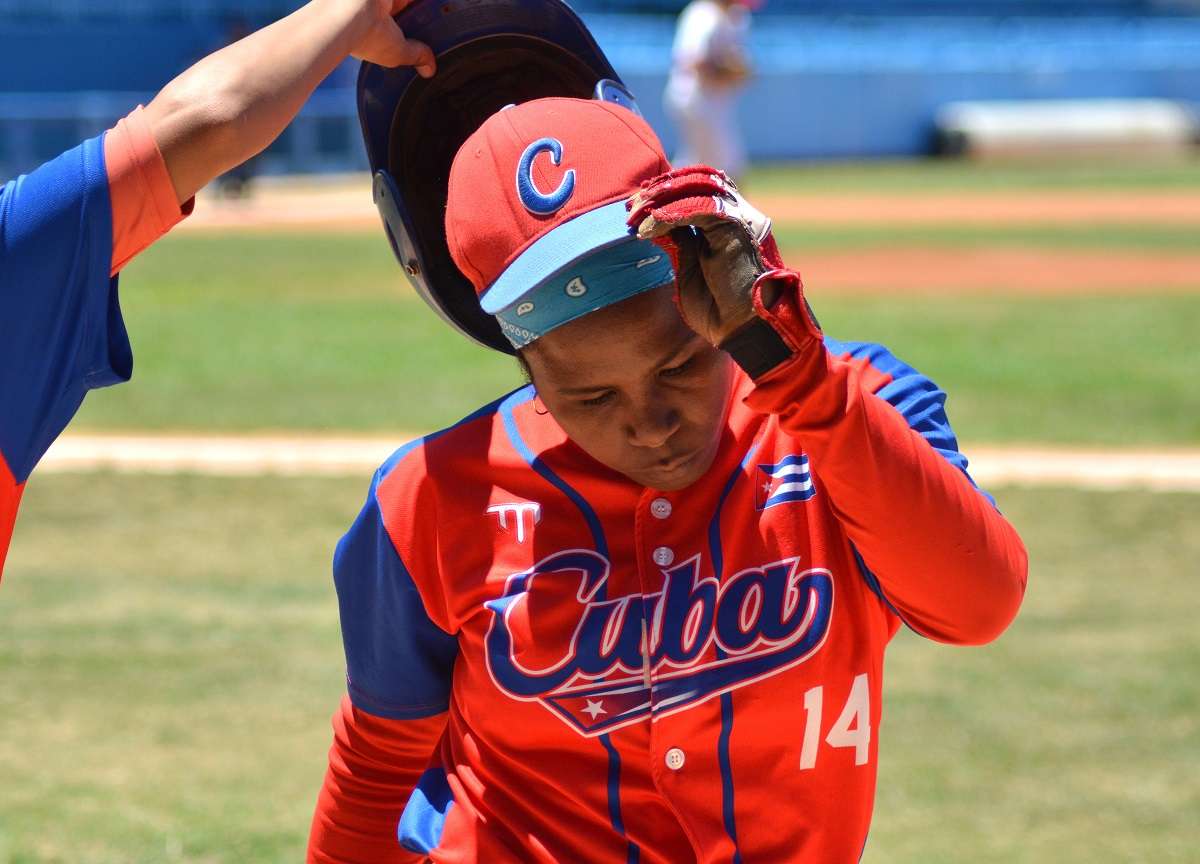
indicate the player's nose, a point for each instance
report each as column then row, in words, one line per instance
column 651, row 423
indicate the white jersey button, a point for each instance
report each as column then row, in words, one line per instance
column 675, row 759
column 663, row 556
column 660, row 508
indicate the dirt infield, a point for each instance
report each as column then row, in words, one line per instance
column 252, row 455
column 1066, row 207
column 344, row 204
column 997, row 271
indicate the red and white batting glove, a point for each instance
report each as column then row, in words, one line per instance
column 728, row 270
column 718, row 263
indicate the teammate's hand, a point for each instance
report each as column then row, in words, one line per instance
column 719, row 243
column 385, row 44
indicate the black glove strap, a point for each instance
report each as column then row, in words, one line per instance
column 756, row 347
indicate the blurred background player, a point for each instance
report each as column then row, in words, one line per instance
column 708, row 68
column 68, row 227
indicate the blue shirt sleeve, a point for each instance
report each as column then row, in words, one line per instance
column 399, row 663
column 61, row 332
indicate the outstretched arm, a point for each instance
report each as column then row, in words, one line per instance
column 77, row 220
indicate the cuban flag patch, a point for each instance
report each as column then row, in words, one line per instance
column 786, row 481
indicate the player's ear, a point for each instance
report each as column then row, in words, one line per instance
column 523, row 361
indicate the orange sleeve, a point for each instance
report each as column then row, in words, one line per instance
column 949, row 564
column 374, row 765
column 144, row 204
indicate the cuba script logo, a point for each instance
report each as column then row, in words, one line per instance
column 600, row 663
column 534, row 200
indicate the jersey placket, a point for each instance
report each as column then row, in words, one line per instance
column 662, row 538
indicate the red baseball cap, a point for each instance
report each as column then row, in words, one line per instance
column 540, row 186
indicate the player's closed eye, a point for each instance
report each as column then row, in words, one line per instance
column 683, row 367
column 596, row 401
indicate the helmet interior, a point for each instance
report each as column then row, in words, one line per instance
column 435, row 116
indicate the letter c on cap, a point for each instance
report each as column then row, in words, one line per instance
column 533, row 199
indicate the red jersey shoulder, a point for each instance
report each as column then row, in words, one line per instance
column 450, row 474
column 456, row 501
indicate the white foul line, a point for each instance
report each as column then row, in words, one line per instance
column 1167, row 470
column 255, row 455
column 228, row 456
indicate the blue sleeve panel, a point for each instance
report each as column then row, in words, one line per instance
column 922, row 402
column 61, row 332
column 424, row 817
column 398, row 663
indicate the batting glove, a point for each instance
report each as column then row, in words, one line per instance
column 720, row 244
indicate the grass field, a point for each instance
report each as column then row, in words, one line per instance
column 322, row 332
column 169, row 646
column 1100, row 237
column 170, row 667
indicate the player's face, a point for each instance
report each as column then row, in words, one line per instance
column 637, row 389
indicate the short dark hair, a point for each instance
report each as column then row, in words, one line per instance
column 524, row 364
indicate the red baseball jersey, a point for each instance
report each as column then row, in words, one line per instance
column 548, row 662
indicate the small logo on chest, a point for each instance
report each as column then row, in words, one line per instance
column 514, row 517
column 784, row 482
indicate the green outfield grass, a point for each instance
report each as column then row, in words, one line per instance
column 945, row 175
column 312, row 332
column 170, row 663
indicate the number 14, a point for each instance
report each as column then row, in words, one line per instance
column 852, row 728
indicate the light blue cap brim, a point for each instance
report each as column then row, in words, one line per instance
column 587, row 233
column 598, row 279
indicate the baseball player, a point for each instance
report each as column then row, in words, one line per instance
column 708, row 67
column 636, row 611
column 69, row 227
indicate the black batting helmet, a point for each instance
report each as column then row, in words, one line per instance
column 490, row 53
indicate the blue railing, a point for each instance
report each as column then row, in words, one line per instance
column 91, row 10
column 845, row 86
column 267, row 9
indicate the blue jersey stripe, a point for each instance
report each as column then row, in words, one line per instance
column 507, row 405
column 714, row 546
column 920, row 401
column 876, row 589
column 520, row 397
column 727, row 771
column 632, row 852
column 490, row 408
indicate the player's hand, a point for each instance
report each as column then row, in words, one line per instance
column 384, row 43
column 719, row 243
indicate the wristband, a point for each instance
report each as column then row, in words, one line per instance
column 756, row 347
